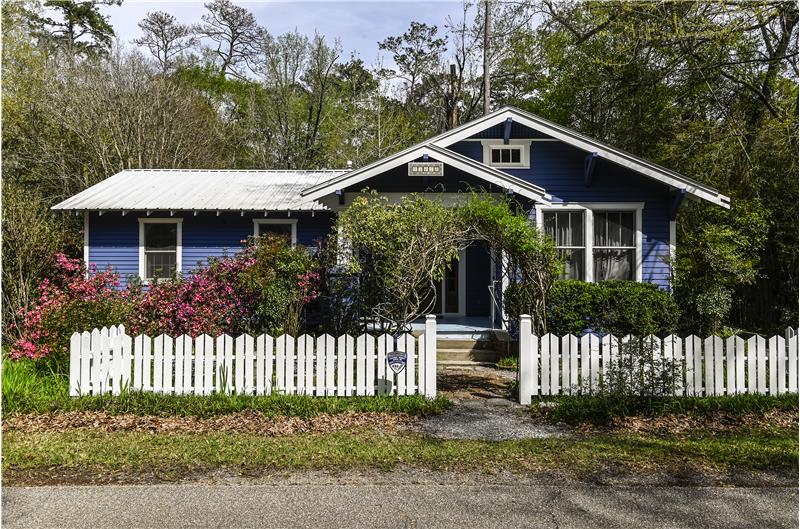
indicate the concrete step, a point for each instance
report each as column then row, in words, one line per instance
column 446, row 343
column 467, row 355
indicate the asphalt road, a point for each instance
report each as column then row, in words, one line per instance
column 386, row 506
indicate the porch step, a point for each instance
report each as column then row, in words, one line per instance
column 462, row 343
column 467, row 355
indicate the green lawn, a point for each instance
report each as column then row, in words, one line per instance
column 185, row 453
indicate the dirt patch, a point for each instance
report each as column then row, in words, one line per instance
column 719, row 422
column 251, row 422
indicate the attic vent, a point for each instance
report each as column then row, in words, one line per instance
column 425, row 169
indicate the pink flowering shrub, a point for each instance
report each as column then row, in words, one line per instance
column 212, row 301
column 263, row 288
column 74, row 299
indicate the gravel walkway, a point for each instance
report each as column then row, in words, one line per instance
column 483, row 409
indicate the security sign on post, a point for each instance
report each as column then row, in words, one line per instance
column 397, row 361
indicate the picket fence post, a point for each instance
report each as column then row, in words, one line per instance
column 430, row 356
column 526, row 373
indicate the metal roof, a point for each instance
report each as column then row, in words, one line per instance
column 201, row 189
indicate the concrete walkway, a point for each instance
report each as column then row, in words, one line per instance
column 398, row 506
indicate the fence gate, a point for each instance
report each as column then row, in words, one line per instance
column 566, row 365
column 107, row 360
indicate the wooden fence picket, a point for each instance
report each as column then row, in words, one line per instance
column 761, row 356
column 300, row 345
column 792, row 345
column 385, row 345
column 544, row 359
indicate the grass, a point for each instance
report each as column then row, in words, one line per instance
column 602, row 409
column 184, row 454
column 27, row 389
column 508, row 362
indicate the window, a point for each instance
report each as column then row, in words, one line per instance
column 515, row 153
column 506, row 155
column 566, row 228
column 159, row 248
column 286, row 228
column 614, row 252
column 598, row 241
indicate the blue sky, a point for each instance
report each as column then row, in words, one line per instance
column 358, row 25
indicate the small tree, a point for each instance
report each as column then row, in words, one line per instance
column 398, row 252
column 531, row 263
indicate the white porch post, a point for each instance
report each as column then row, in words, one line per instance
column 430, row 356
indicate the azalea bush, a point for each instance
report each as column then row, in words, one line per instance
column 263, row 288
column 74, row 298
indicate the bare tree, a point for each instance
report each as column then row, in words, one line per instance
column 165, row 37
column 236, row 36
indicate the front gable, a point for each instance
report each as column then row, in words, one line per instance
column 461, row 174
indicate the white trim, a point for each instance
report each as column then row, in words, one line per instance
column 293, row 222
column 451, row 158
column 86, row 239
column 514, row 139
column 588, row 219
column 673, row 244
column 178, row 242
column 524, row 147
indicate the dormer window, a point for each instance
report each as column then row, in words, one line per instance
column 506, row 155
column 514, row 154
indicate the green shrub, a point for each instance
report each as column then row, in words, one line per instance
column 616, row 307
column 600, row 410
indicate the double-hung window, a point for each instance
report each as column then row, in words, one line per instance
column 159, row 248
column 597, row 242
column 614, row 251
column 566, row 228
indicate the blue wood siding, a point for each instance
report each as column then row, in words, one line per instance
column 114, row 239
column 559, row 168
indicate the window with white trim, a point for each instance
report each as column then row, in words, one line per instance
column 514, row 154
column 614, row 251
column 159, row 248
column 286, row 228
column 566, row 228
column 597, row 242
column 506, row 156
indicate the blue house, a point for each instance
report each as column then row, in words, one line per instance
column 611, row 214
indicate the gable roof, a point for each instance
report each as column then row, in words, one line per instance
column 201, row 189
column 454, row 159
column 568, row 136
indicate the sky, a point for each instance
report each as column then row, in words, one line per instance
column 359, row 26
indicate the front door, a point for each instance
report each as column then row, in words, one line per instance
column 450, row 292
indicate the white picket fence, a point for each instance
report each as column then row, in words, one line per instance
column 566, row 365
column 109, row 361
